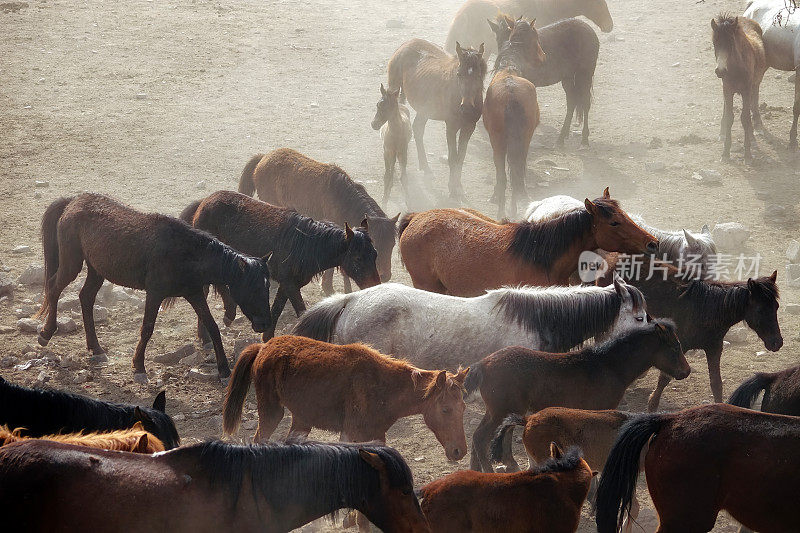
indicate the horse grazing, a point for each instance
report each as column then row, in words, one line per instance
column 440, row 86
column 398, row 320
column 453, row 252
column 203, row 488
column 135, row 439
column 351, row 389
column 511, row 113
column 781, row 392
column 570, row 50
column 469, row 24
column 156, row 253
column 323, row 192
column 46, row 412
column 781, row 38
column 519, row 380
column 393, row 120
column 298, row 247
column 741, row 63
column 701, row 461
column 546, row 499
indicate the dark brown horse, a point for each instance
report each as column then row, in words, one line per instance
column 135, row 439
column 452, row 251
column 781, row 392
column 394, row 121
column 741, row 63
column 440, row 86
column 570, row 48
column 519, row 380
column 323, row 192
column 704, row 460
column 351, row 389
column 204, row 488
column 298, row 247
column 156, row 253
column 545, row 499
column 511, row 113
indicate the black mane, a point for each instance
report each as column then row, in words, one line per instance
column 623, row 337
column 569, row 461
column 353, row 196
column 730, row 299
column 230, row 265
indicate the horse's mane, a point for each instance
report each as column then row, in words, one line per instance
column 625, row 336
column 352, row 195
column 236, row 267
column 728, row 298
column 671, row 242
column 568, row 461
column 309, row 241
column 120, row 439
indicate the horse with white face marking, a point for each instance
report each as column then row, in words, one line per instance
column 447, row 331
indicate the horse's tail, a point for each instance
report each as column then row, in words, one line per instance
column 516, row 121
column 404, row 222
column 474, row 378
column 618, row 482
column 746, row 393
column 50, row 247
column 319, row 322
column 496, row 447
column 247, row 183
column 187, row 215
column 237, row 389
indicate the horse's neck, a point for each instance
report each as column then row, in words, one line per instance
column 626, row 358
column 567, row 263
column 409, row 400
column 548, row 11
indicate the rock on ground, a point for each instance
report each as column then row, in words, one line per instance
column 28, row 325
column 32, row 275
column 730, row 236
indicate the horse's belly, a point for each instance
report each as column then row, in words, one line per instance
column 780, row 45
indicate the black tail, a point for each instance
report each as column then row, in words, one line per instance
column 319, row 322
column 618, row 481
column 247, row 184
column 474, row 378
column 50, row 247
column 746, row 394
column 496, row 447
column 405, row 220
column 187, row 215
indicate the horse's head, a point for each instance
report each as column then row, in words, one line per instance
column 387, row 106
column 761, row 314
column 158, row 423
column 393, row 508
column 698, row 247
column 597, row 12
column 667, row 349
column 443, row 411
column 383, row 231
column 250, row 290
column 615, row 231
column 632, row 306
column 359, row 258
column 470, row 73
column 501, row 27
column 525, row 38
column 724, row 29
column 582, row 468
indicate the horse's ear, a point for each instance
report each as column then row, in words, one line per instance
column 459, row 50
column 267, row 257
column 774, row 276
column 690, row 240
column 495, row 27
column 365, row 223
column 461, row 376
column 590, row 207
column 160, row 403
column 533, row 21
column 138, row 426
column 395, row 94
column 606, row 194
column 619, row 285
column 481, row 49
column 713, row 24
column 138, row 414
column 555, row 451
column 348, row 233
column 751, row 285
column 415, row 376
column 595, row 473
column 441, row 379
column 383, row 91
column 705, row 230
column 395, row 218
column 141, row 444
column 372, row 459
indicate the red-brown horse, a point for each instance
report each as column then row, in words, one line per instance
column 454, row 252
column 135, row 439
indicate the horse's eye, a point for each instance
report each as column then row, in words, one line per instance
column 639, row 319
column 446, row 410
column 614, row 223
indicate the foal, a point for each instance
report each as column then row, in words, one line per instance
column 135, row 439
column 396, row 133
column 351, row 389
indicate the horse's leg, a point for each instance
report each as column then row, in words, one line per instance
column 713, row 356
column 200, row 306
column 277, row 308
column 327, row 282
column 151, row 305
column 796, row 110
column 464, row 135
column 569, row 90
column 756, row 92
column 747, row 126
column 70, row 261
column 517, row 164
column 299, row 430
column 451, row 130
column 419, row 130
column 402, row 158
column 296, row 298
column 87, row 296
column 508, row 455
column 501, row 182
column 727, row 121
column 585, row 97
column 348, row 288
column 228, row 303
column 655, row 397
column 270, row 414
column 389, row 158
column 479, row 459
column 202, row 334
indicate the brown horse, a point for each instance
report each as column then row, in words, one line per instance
column 159, row 254
column 469, row 24
column 351, row 389
column 455, row 252
column 519, row 380
column 741, row 63
column 781, row 392
column 546, row 499
column 396, row 134
column 704, row 460
column 441, row 87
column 571, row 48
column 298, row 247
column 323, row 192
column 511, row 113
column 135, row 439
column 203, row 488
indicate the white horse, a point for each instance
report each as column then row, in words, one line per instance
column 781, row 35
column 435, row 330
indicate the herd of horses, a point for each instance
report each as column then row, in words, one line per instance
column 492, row 311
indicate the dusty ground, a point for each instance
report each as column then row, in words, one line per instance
column 158, row 103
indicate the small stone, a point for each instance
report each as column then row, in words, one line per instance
column 676, row 64
column 82, row 376
column 737, row 335
column 173, row 357
column 5, row 330
column 7, row 361
column 32, row 275
column 778, row 76
column 419, row 459
column 313, row 105
column 730, row 236
column 792, row 309
column 6, row 285
column 70, row 361
column 793, row 251
column 28, row 325
column 66, row 325
column 100, row 315
column 179, row 417
column 711, row 175
column 24, row 311
column 70, row 303
column 43, row 377
column 41, row 184
column 21, row 249
column 201, row 184
column 655, row 166
column 199, row 375
column 141, row 96
column 394, row 23
column 656, row 142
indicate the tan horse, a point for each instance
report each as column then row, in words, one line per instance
column 134, row 439
column 394, row 121
column 452, row 251
column 440, row 86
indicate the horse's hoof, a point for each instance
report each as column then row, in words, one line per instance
column 227, row 321
column 42, row 340
column 98, row 359
column 140, row 378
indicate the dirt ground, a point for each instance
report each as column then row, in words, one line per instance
column 159, row 103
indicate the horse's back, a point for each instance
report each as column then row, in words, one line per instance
column 288, row 178
column 781, row 40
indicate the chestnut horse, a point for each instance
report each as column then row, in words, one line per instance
column 545, row 499
column 441, row 87
column 323, row 192
column 351, row 389
column 469, row 24
column 135, row 439
column 518, row 380
column 394, row 121
column 741, row 63
column 298, row 247
column 203, row 488
column 781, row 392
column 161, row 255
column 704, row 460
column 511, row 113
column 453, row 252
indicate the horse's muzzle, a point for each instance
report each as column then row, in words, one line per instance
column 260, row 326
column 774, row 344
